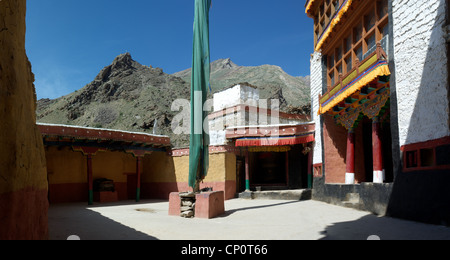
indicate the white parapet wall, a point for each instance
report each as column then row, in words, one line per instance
column 240, row 106
column 420, row 69
column 239, row 94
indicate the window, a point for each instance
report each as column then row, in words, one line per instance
column 339, row 53
column 443, row 155
column 336, row 5
column 368, row 27
column 382, row 8
column 426, row 157
column 369, row 21
column 358, row 33
column 348, row 63
column 411, row 159
column 324, row 14
column 347, row 44
column 339, row 69
column 431, row 155
column 385, row 30
column 359, row 53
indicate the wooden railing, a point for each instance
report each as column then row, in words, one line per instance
column 361, row 66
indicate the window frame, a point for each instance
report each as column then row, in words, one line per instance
column 351, row 51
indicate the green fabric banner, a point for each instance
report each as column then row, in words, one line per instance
column 199, row 138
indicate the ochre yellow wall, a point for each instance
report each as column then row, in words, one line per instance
column 113, row 165
column 230, row 166
column 222, row 167
column 161, row 173
column 181, row 168
column 158, row 167
column 67, row 166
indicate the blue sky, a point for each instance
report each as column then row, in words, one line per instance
column 68, row 42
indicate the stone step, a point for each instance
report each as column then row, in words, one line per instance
column 304, row 194
column 352, row 198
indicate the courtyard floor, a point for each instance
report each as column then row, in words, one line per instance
column 243, row 220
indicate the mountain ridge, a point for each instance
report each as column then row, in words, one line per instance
column 129, row 96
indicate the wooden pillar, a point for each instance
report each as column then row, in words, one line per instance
column 89, row 152
column 287, row 169
column 378, row 171
column 138, row 174
column 139, row 155
column 310, row 175
column 90, row 180
column 247, row 172
column 350, row 170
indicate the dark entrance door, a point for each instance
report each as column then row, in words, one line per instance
column 270, row 169
column 240, row 174
column 131, row 186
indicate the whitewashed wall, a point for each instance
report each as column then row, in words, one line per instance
column 316, row 89
column 236, row 95
column 421, row 69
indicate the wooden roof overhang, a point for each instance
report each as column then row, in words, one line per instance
column 272, row 135
column 310, row 6
column 104, row 139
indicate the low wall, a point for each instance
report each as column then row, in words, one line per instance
column 372, row 197
column 421, row 196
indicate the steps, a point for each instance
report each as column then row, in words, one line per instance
column 352, row 200
column 304, row 194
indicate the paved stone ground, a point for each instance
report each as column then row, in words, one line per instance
column 243, row 220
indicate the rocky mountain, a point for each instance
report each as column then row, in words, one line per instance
column 271, row 80
column 132, row 97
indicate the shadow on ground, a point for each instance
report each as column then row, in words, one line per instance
column 229, row 212
column 372, row 227
column 80, row 221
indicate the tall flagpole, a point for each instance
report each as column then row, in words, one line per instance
column 199, row 139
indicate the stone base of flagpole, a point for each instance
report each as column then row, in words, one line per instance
column 206, row 204
column 209, row 204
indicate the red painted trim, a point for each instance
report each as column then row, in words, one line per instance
column 426, row 144
column 268, row 131
column 212, row 150
column 350, row 153
column 287, row 168
column 275, row 141
column 101, row 134
column 24, row 214
column 310, row 159
column 416, row 147
column 318, row 170
column 377, row 147
column 138, row 153
column 268, row 112
column 89, row 172
column 87, row 150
